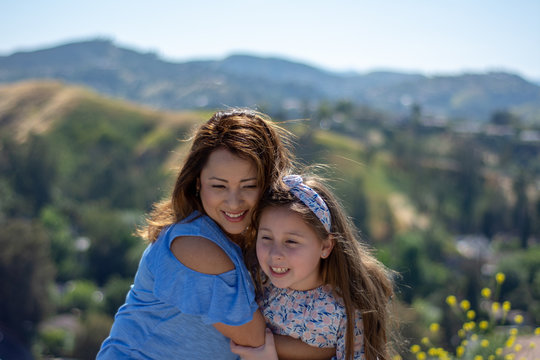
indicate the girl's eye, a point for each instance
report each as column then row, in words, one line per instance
column 291, row 242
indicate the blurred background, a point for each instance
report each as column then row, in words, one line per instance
column 427, row 113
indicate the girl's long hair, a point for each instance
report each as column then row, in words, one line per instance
column 364, row 284
column 246, row 133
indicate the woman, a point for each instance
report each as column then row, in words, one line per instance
column 192, row 291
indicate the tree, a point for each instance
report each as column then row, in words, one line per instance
column 31, row 173
column 27, row 272
column 522, row 212
column 469, row 182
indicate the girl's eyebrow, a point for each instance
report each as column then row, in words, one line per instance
column 219, row 179
column 294, row 233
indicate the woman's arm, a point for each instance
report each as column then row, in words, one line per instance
column 204, row 256
column 289, row 349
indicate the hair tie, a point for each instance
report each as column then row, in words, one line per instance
column 309, row 197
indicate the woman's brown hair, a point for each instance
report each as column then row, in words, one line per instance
column 364, row 284
column 246, row 133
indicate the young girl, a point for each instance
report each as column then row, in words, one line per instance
column 320, row 284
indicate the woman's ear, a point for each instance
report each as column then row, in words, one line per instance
column 327, row 246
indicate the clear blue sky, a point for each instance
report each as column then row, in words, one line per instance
column 429, row 36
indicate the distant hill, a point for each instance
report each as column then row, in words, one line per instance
column 270, row 83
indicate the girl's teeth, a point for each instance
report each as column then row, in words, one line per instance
column 279, row 270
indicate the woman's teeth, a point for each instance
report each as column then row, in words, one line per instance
column 231, row 215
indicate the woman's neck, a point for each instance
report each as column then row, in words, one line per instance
column 238, row 239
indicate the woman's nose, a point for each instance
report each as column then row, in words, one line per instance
column 234, row 199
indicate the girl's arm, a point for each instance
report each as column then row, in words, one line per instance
column 295, row 349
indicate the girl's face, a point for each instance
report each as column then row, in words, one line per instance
column 289, row 250
column 229, row 190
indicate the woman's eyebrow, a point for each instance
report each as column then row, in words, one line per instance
column 224, row 180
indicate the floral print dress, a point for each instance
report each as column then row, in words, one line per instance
column 317, row 317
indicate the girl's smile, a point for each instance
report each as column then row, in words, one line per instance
column 289, row 250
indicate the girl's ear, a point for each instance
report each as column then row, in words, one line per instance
column 327, row 246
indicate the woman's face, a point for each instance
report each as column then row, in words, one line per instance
column 229, row 190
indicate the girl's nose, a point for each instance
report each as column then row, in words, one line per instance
column 275, row 252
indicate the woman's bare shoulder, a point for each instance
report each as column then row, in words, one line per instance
column 201, row 255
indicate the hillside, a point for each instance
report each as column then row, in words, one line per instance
column 78, row 143
column 271, row 83
column 35, row 106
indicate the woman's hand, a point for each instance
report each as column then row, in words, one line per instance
column 264, row 352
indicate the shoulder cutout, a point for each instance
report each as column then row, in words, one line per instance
column 201, row 255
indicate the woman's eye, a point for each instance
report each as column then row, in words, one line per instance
column 218, row 186
column 250, row 186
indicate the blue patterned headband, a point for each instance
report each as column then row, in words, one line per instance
column 309, row 197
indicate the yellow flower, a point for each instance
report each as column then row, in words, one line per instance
column 518, row 347
column 425, row 341
column 461, row 333
column 397, row 357
column 513, row 331
column 432, row 352
column 499, row 351
column 491, row 357
column 486, row 292
column 537, row 331
column 483, row 325
column 471, row 314
column 464, row 342
column 499, row 277
column 510, row 341
column 434, row 327
column 495, row 306
column 460, row 350
column 506, row 306
column 469, row 326
column 465, row 304
column 478, row 357
column 484, row 343
column 474, row 337
column 532, row 344
column 451, row 300
column 415, row 348
column 421, row 356
column 518, row 319
column 509, row 357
